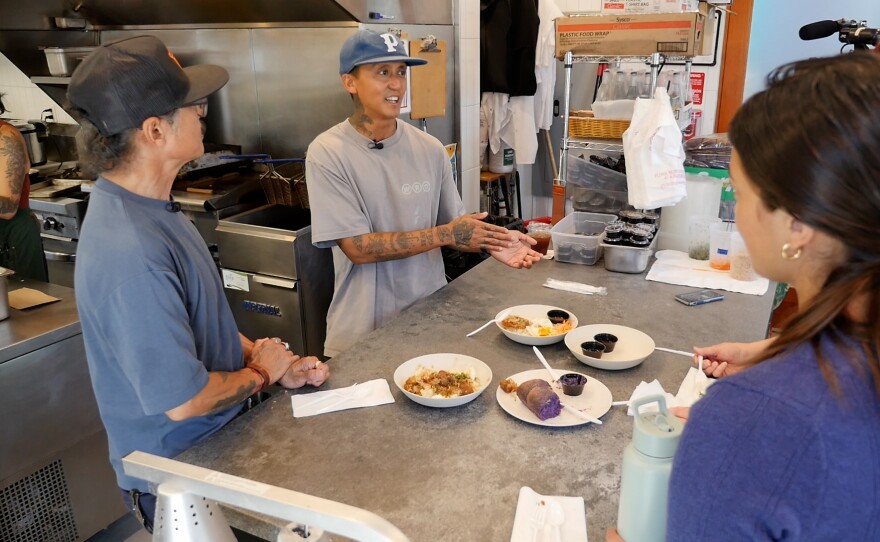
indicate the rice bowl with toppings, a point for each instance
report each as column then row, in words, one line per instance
column 424, row 375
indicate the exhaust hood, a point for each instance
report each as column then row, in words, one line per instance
column 42, row 14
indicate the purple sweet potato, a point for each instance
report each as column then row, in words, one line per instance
column 539, row 397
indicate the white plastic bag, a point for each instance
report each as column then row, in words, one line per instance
column 654, row 154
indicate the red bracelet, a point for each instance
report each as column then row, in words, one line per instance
column 264, row 376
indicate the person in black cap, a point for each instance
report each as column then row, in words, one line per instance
column 166, row 360
column 384, row 200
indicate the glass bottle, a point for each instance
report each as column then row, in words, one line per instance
column 607, row 88
column 620, row 86
column 633, row 89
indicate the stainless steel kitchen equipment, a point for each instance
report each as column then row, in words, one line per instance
column 63, row 60
column 277, row 283
column 56, row 482
column 34, row 134
column 60, row 222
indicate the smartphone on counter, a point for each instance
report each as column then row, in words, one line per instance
column 699, row 297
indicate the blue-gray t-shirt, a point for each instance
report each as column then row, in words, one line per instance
column 155, row 321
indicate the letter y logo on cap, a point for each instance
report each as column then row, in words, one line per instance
column 391, row 42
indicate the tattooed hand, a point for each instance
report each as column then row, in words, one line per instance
column 468, row 233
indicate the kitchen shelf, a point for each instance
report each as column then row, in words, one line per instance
column 46, row 80
column 593, row 145
column 655, row 61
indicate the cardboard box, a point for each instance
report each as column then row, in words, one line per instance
column 633, row 7
column 674, row 34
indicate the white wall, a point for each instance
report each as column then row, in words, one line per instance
column 775, row 24
column 467, row 24
column 23, row 99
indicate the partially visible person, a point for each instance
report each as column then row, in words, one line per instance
column 786, row 448
column 21, row 248
column 167, row 363
column 384, row 200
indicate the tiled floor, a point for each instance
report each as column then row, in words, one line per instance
column 125, row 529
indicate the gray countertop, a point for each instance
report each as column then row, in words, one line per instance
column 455, row 474
column 30, row 329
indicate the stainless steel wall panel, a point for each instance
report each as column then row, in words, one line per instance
column 400, row 12
column 233, row 114
column 298, row 87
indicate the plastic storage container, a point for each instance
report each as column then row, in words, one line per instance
column 576, row 237
column 593, row 188
column 624, row 259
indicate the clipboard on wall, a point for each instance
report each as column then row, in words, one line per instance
column 428, row 82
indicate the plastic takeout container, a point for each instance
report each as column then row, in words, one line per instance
column 623, row 259
column 577, row 237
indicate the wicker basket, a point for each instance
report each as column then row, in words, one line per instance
column 287, row 186
column 583, row 124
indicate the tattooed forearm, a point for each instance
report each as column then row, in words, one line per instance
column 380, row 247
column 376, row 244
column 239, row 396
column 406, row 241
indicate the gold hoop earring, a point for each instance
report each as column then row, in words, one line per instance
column 786, row 256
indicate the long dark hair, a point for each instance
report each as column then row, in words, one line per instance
column 810, row 143
column 98, row 153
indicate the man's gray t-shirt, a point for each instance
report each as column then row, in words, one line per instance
column 155, row 321
column 353, row 190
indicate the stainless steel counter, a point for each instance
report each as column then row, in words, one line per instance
column 455, row 474
column 32, row 329
column 56, row 482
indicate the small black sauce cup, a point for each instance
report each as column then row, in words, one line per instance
column 573, row 384
column 608, row 340
column 594, row 349
column 557, row 316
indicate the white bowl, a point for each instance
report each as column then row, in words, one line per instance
column 533, row 312
column 632, row 347
column 454, row 363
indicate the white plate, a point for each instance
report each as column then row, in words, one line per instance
column 595, row 401
column 455, row 363
column 533, row 312
column 632, row 348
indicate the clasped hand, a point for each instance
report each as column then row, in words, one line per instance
column 287, row 368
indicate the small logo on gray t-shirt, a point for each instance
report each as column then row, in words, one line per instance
column 415, row 188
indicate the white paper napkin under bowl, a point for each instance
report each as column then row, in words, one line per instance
column 377, row 392
column 573, row 530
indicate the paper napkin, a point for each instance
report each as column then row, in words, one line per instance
column 674, row 267
column 372, row 393
column 645, row 389
column 524, row 528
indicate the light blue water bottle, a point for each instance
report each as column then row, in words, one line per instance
column 644, row 477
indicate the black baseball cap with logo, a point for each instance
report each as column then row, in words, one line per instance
column 123, row 83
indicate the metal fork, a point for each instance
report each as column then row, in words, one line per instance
column 538, row 520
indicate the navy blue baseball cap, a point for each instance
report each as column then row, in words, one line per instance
column 368, row 47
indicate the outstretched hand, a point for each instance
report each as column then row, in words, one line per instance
column 520, row 255
column 469, row 233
